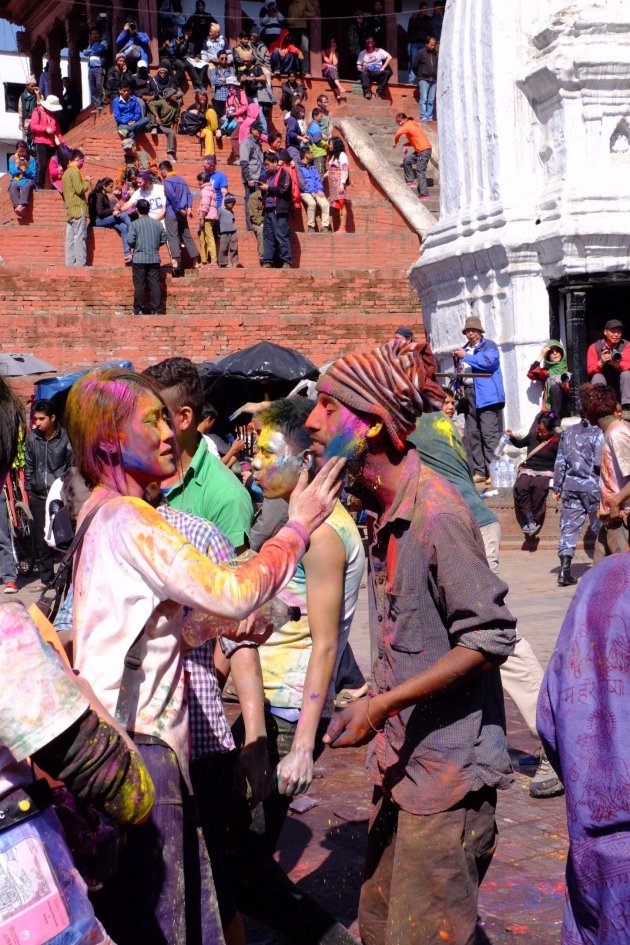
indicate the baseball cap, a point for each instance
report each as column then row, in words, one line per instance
column 404, row 332
column 142, row 64
column 229, row 198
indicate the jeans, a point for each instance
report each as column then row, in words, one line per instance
column 146, row 275
column 8, row 571
column 285, row 64
column 121, row 225
column 423, row 872
column 426, row 88
column 415, row 165
column 76, row 237
column 21, row 195
column 276, row 238
column 95, row 82
column 228, row 248
column 126, row 131
column 45, row 553
column 177, row 232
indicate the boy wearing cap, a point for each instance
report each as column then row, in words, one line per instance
column 228, row 236
column 608, row 361
column 440, row 631
column 484, row 395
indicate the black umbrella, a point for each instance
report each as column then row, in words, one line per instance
column 263, row 371
column 263, row 361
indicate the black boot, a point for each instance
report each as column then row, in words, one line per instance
column 564, row 575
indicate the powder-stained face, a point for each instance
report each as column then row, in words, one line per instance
column 146, row 442
column 276, row 466
column 337, row 431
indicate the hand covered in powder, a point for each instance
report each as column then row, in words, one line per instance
column 295, row 772
column 256, row 627
column 310, row 505
column 253, row 773
column 350, row 727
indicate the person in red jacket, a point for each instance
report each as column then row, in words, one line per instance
column 46, row 134
column 418, row 155
column 608, row 361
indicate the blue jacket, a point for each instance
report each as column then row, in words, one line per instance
column 96, row 53
column 485, row 359
column 309, row 179
column 124, row 112
column 178, row 194
column 125, row 40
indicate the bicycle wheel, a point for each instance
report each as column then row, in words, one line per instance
column 23, row 539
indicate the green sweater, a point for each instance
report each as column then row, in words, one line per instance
column 74, row 189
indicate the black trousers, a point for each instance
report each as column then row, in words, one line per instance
column 44, row 153
column 177, row 232
column 276, row 240
column 45, row 554
column 381, row 78
column 484, row 426
column 530, row 498
column 146, row 275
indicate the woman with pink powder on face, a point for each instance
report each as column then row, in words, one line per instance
column 134, row 571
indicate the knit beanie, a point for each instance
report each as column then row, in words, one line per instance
column 395, row 383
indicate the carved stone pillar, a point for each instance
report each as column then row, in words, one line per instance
column 53, row 52
column 577, row 340
column 74, row 59
column 315, row 37
column 233, row 20
column 392, row 36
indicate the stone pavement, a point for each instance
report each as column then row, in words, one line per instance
column 523, row 893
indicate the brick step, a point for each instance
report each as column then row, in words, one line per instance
column 316, row 251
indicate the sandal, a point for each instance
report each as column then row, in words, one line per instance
column 346, row 696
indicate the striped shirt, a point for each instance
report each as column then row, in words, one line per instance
column 146, row 236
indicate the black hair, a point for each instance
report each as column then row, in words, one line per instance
column 76, row 153
column 204, row 177
column 316, row 111
column 44, row 405
column 208, row 412
column 182, row 374
column 143, row 206
column 273, row 136
column 289, row 416
column 584, row 393
column 602, row 402
column 297, row 111
column 401, row 115
column 165, row 166
column 101, row 184
column 11, row 419
column 336, row 146
column 271, row 156
column 548, row 420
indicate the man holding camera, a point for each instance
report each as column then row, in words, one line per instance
column 608, row 361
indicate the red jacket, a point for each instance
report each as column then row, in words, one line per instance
column 41, row 120
column 594, row 351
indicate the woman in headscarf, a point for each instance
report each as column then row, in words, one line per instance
column 552, row 370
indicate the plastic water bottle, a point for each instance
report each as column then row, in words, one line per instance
column 510, row 473
column 501, row 445
column 199, row 627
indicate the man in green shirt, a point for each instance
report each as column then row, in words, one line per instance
column 203, row 486
column 74, row 188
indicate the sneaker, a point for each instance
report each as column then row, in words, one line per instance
column 367, row 95
column 287, row 266
column 154, row 131
column 10, row 587
column 311, row 229
column 545, row 782
column 530, row 528
column 425, row 197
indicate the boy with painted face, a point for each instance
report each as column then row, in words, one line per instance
column 299, row 662
column 440, row 630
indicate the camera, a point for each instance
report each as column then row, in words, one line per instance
column 132, row 26
column 615, row 356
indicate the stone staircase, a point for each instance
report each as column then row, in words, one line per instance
column 348, row 289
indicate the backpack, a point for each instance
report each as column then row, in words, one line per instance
column 190, row 124
column 296, row 199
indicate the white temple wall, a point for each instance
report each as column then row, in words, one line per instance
column 534, row 133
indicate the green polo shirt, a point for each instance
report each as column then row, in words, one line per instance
column 211, row 491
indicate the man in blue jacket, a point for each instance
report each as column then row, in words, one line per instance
column 127, row 113
column 484, row 395
column 178, row 209
column 134, row 45
column 312, row 192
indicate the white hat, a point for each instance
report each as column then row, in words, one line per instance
column 142, row 64
column 51, row 103
column 232, row 80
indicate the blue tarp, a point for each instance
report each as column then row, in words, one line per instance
column 47, row 388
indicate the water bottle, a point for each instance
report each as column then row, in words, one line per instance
column 199, row 627
column 495, row 473
column 510, row 473
column 501, row 445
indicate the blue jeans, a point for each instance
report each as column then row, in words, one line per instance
column 131, row 129
column 121, row 225
column 426, row 88
column 8, row 570
column 285, row 64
